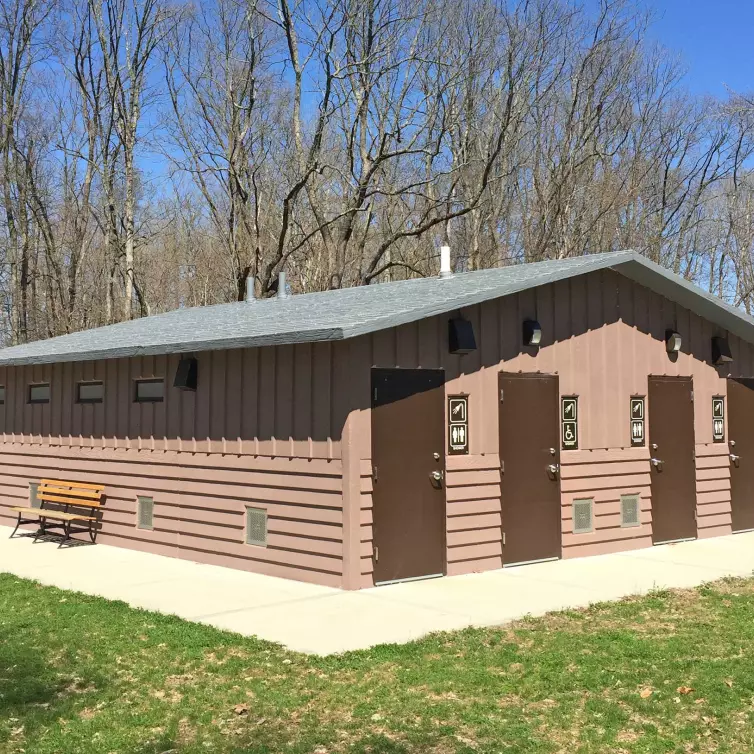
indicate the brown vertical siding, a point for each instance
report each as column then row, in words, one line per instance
column 268, row 402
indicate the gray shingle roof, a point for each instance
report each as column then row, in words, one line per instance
column 335, row 315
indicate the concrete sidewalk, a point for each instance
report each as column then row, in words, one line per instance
column 323, row 620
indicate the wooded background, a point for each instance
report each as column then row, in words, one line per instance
column 152, row 155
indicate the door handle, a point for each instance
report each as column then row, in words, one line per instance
column 657, row 463
column 553, row 470
column 735, row 459
column 436, row 478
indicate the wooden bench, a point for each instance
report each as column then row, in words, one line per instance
column 57, row 498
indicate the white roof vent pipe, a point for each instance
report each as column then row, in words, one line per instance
column 249, row 298
column 445, row 269
column 282, row 288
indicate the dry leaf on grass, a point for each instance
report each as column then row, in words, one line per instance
column 728, row 682
column 241, row 709
column 684, row 689
column 646, row 692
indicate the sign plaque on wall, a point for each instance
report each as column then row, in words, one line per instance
column 718, row 419
column 636, row 419
column 458, row 425
column 569, row 422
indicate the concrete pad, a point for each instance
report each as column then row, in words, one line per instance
column 338, row 623
column 323, row 620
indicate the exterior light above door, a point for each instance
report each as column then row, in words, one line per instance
column 673, row 341
column 721, row 351
column 461, row 338
column 532, row 332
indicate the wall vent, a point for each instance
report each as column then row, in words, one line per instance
column 256, row 526
column 144, row 512
column 34, row 501
column 583, row 516
column 629, row 510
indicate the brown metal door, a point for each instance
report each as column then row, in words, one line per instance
column 671, row 442
column 408, row 458
column 529, row 461
column 741, row 439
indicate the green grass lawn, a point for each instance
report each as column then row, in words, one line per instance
column 672, row 672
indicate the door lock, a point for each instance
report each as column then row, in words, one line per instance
column 436, row 478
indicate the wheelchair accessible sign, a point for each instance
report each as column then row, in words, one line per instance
column 569, row 422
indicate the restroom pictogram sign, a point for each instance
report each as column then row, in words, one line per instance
column 458, row 424
column 637, row 420
column 718, row 419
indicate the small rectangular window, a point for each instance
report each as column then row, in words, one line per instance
column 90, row 392
column 144, row 512
column 39, row 393
column 256, row 526
column 2, row 394
column 146, row 391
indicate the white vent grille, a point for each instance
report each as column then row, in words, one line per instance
column 34, row 501
column 256, row 526
column 583, row 518
column 629, row 510
column 145, row 513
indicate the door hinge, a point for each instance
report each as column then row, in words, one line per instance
column 374, row 473
column 692, row 396
column 502, row 467
column 501, row 395
column 503, row 539
column 376, row 554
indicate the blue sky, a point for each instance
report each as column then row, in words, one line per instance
column 715, row 39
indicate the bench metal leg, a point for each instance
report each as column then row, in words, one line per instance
column 18, row 523
column 42, row 529
column 21, row 521
column 66, row 534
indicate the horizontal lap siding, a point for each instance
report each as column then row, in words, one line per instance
column 474, row 526
column 199, row 504
column 366, row 530
column 713, row 498
column 603, row 476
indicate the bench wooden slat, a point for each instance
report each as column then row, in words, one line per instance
column 68, row 501
column 89, row 494
column 46, row 513
column 67, row 483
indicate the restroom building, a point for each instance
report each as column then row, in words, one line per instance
column 404, row 430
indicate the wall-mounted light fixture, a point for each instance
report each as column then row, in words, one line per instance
column 721, row 351
column 673, row 341
column 532, row 332
column 186, row 374
column 461, row 338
